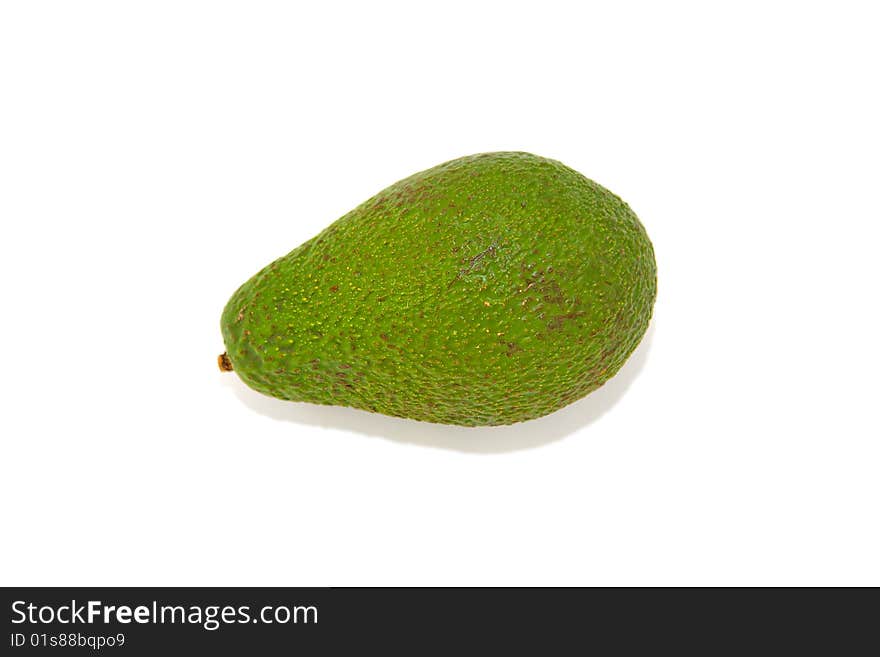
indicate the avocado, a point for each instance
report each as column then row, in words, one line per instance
column 488, row 290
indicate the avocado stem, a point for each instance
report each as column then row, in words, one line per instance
column 224, row 363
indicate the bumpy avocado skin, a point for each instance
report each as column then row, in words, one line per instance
column 488, row 290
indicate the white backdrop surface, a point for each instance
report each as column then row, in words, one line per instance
column 155, row 155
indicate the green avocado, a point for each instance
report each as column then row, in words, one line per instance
column 488, row 290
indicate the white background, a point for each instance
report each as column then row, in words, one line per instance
column 154, row 155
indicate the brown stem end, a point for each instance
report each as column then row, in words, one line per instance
column 224, row 363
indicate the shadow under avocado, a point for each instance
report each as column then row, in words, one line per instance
column 478, row 440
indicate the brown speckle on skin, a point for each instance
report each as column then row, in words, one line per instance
column 559, row 320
